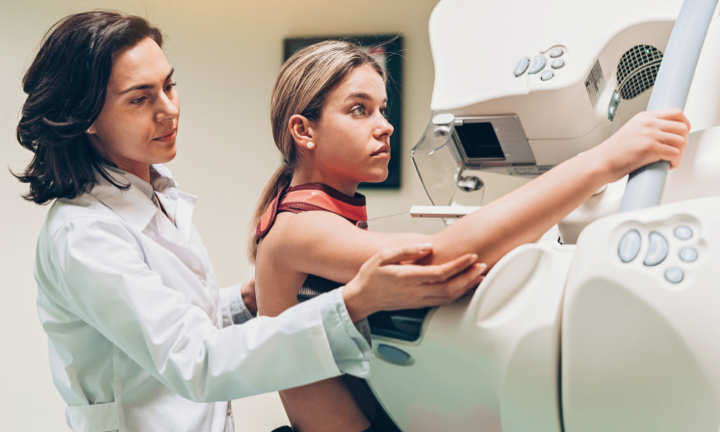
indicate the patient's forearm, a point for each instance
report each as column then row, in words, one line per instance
column 523, row 215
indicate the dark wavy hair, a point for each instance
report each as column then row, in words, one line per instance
column 66, row 87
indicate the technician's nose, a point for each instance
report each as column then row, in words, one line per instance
column 168, row 107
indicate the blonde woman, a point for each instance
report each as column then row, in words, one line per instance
column 328, row 120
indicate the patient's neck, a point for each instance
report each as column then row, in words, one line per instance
column 303, row 175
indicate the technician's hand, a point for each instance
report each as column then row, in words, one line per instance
column 247, row 290
column 383, row 283
column 648, row 137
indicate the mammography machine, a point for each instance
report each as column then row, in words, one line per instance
column 611, row 322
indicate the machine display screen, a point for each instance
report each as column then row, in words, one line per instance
column 479, row 141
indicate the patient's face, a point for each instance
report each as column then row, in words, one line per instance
column 352, row 136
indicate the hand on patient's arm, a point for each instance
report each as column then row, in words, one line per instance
column 247, row 290
column 383, row 283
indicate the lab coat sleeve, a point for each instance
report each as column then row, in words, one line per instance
column 101, row 276
column 233, row 307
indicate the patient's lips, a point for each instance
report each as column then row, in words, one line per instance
column 382, row 152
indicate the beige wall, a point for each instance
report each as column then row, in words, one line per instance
column 226, row 55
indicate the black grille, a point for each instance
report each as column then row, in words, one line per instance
column 637, row 70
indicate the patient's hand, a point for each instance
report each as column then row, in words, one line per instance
column 247, row 290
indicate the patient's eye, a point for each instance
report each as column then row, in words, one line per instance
column 358, row 110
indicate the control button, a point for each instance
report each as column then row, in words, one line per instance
column 683, row 232
column 611, row 112
column 557, row 63
column 657, row 251
column 547, row 75
column 674, row 275
column 615, row 98
column 392, row 354
column 629, row 246
column 556, row 52
column 537, row 65
column 688, row 254
column 522, row 66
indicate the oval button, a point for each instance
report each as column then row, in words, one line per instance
column 394, row 355
column 688, row 254
column 657, row 251
column 522, row 66
column 683, row 232
column 557, row 63
column 556, row 52
column 629, row 246
column 674, row 275
column 538, row 64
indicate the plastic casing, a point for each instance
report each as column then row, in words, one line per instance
column 638, row 353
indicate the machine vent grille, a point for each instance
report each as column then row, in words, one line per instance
column 637, row 70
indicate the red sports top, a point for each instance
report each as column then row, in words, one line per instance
column 314, row 197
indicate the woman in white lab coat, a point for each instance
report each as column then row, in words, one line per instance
column 140, row 338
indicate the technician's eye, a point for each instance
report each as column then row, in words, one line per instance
column 170, row 86
column 358, row 110
column 384, row 112
column 138, row 101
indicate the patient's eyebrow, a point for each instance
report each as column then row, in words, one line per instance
column 145, row 86
column 362, row 95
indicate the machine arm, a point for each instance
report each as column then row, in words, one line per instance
column 645, row 186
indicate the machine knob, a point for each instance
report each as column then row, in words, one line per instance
column 688, row 254
column 547, row 75
column 522, row 66
column 556, row 52
column 537, row 65
column 674, row 275
column 683, row 232
column 658, row 250
column 629, row 246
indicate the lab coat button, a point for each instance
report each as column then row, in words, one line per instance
column 657, row 251
column 522, row 66
column 204, row 282
column 538, row 64
column 629, row 246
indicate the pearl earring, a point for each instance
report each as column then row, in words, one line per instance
column 310, row 145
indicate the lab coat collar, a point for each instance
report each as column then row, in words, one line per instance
column 136, row 207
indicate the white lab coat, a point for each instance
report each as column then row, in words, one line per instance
column 134, row 319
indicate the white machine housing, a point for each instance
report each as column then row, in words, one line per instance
column 638, row 352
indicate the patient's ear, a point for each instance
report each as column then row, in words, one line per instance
column 301, row 131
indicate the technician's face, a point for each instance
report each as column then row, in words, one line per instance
column 352, row 134
column 138, row 123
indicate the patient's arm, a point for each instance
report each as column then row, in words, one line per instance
column 326, row 245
